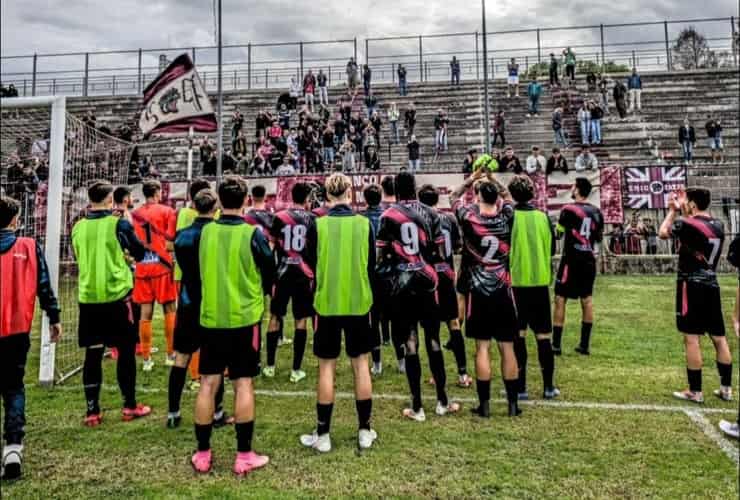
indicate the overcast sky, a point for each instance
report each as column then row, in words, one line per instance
column 48, row 26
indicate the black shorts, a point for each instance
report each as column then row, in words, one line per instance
column 446, row 299
column 112, row 324
column 533, row 308
column 235, row 349
column 413, row 307
column 492, row 317
column 575, row 279
column 327, row 338
column 187, row 329
column 299, row 290
column 699, row 309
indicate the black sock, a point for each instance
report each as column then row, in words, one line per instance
column 126, row 374
column 323, row 418
column 458, row 349
column 219, row 399
column 512, row 394
column 520, row 350
column 174, row 390
column 299, row 347
column 244, row 432
column 484, row 390
column 557, row 336
column 203, row 436
column 725, row 373
column 272, row 342
column 364, row 412
column 436, row 359
column 396, row 328
column 92, row 377
column 547, row 362
column 385, row 328
column 694, row 377
column 376, row 354
column 586, row 335
column 413, row 374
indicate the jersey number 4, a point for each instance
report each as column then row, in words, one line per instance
column 294, row 238
column 586, row 228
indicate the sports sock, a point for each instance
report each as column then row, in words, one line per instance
column 413, row 374
column 520, row 350
column 203, row 436
column 299, row 347
column 126, row 374
column 557, row 336
column 174, row 389
column 244, row 432
column 458, row 349
column 385, row 328
column 694, row 377
column 586, row 334
column 547, row 362
column 323, row 418
column 219, row 399
column 145, row 337
column 512, row 393
column 483, row 387
column 376, row 354
column 169, row 331
column 195, row 366
column 436, row 359
column 364, row 411
column 272, row 342
column 725, row 373
column 92, row 377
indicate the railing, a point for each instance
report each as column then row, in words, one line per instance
column 426, row 57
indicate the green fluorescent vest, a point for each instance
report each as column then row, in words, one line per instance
column 342, row 283
column 104, row 273
column 531, row 242
column 231, row 282
column 185, row 218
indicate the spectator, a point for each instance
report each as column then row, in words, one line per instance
column 352, row 75
column 237, row 123
column 414, row 156
column 286, row 167
column 534, row 91
column 651, row 237
column 494, row 162
column 596, row 115
column 356, row 137
column 570, row 65
column 148, row 168
column 327, row 139
column 513, row 78
column 393, row 116
column 275, row 131
column 557, row 162
column 240, row 144
column 714, row 138
column 455, row 72
column 557, row 128
column 409, row 119
column 586, row 160
column 616, row 240
column 373, row 159
column 11, row 91
column 228, row 163
column 347, row 152
column 242, row 165
column 367, row 76
column 42, row 169
column 125, row 133
column 510, row 162
column 687, row 140
column 345, row 109
column 206, row 148
column 554, row 81
column 535, row 162
column 261, row 122
column 309, row 87
column 295, row 93
column 90, row 119
column 441, row 122
column 620, row 94
column 376, row 123
column 499, row 128
column 284, row 117
column 370, row 102
column 634, row 84
column 591, row 81
column 322, row 82
column 604, row 94
column 402, row 88
column 584, row 121
column 209, row 165
column 468, row 162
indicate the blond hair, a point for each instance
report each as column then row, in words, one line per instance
column 337, row 185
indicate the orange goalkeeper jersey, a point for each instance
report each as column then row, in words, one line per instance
column 155, row 225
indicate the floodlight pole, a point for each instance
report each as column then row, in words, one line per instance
column 486, row 110
column 219, row 146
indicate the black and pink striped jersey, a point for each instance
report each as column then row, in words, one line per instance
column 294, row 233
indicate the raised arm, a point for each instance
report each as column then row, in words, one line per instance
column 460, row 190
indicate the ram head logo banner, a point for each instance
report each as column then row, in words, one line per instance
column 176, row 101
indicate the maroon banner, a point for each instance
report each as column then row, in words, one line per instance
column 611, row 195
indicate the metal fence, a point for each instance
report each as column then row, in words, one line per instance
column 646, row 45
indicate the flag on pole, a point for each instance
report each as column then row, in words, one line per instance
column 176, row 101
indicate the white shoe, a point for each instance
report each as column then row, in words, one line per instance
column 170, row 360
column 376, row 369
column 147, row 365
column 284, row 341
column 366, row 438
column 687, row 395
column 154, row 350
column 268, row 371
column 417, row 416
column 724, row 393
column 730, row 428
column 442, row 410
column 297, row 375
column 322, row 443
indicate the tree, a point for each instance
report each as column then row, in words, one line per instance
column 691, row 50
column 583, row 67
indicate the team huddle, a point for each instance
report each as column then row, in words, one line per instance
column 376, row 277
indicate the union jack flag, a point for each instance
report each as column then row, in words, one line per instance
column 650, row 187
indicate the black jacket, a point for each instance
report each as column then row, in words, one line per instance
column 684, row 135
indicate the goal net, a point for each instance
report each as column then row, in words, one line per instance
column 48, row 157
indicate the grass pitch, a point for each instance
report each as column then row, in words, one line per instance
column 551, row 451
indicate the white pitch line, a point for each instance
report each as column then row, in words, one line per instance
column 713, row 434
column 586, row 405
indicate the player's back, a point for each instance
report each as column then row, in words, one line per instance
column 583, row 226
column 155, row 225
column 262, row 219
column 701, row 239
column 294, row 233
column 186, row 245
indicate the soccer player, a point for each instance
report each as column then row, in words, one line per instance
column 389, row 198
column 122, row 202
column 484, row 281
column 155, row 226
column 236, row 268
column 447, row 296
column 532, row 247
column 409, row 242
column 294, row 233
column 698, row 302
column 343, row 298
column 583, row 226
column 733, row 255
column 101, row 243
column 23, row 276
column 373, row 196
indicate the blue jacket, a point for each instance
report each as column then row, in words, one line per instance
column 534, row 90
column 634, row 82
column 187, row 243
